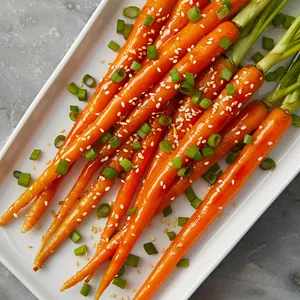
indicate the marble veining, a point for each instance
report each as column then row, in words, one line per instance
column 34, row 36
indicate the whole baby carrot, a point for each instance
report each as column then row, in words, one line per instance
column 232, row 180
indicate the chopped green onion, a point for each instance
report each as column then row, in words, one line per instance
column 73, row 88
column 185, row 172
column 104, row 210
column 296, row 120
column 231, row 158
column 62, row 167
column 24, row 179
column 222, row 12
column 194, row 14
column 189, row 78
column 82, row 95
column 81, row 250
column 267, row 43
column 91, row 154
column 289, row 20
column 196, row 203
column 214, row 168
column 152, row 52
column 119, row 282
column 197, row 97
column 279, row 71
column 210, row 177
column 73, row 115
column 118, row 76
column 59, row 140
column 75, row 236
column 230, row 89
column 198, row 156
column 177, row 163
column 214, row 140
column 131, row 211
column 171, row 235
column 248, row 139
column 148, row 21
column 225, row 43
column 226, row 74
column 150, row 248
column 144, row 130
column 131, row 12
column 182, row 221
column 122, row 175
column 257, row 57
column 227, row 3
column 89, row 81
column 167, row 211
column 191, row 151
column 136, row 146
column 114, row 46
column 279, row 20
column 208, row 151
column 271, row 76
column 164, row 120
column 175, row 75
column 183, row 263
column 120, row 26
column 85, row 290
column 268, row 164
column 105, row 137
column 110, row 173
column 35, row 154
column 190, row 194
column 74, row 108
column 136, row 66
column 219, row 173
column 205, row 103
column 121, row 272
column 126, row 164
column 165, row 146
column 17, row 174
column 132, row 260
column 114, row 142
column 186, row 88
column 127, row 30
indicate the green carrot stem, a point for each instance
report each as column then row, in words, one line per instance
column 285, row 48
column 292, row 101
column 240, row 48
column 249, row 13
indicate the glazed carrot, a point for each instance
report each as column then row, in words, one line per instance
column 139, row 38
column 140, row 161
column 150, row 73
column 85, row 205
column 232, row 180
column 215, row 118
column 245, row 123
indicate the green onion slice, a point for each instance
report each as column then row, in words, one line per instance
column 127, row 30
column 82, row 95
column 177, row 163
column 126, row 164
column 114, row 142
column 131, row 12
column 105, row 137
column 122, row 176
column 35, row 154
column 296, row 120
column 149, row 20
column 197, row 97
column 231, row 158
column 110, row 173
column 182, row 221
column 175, row 75
column 136, row 66
column 186, row 171
column 186, row 88
column 104, row 210
column 150, row 248
column 267, row 43
column 132, row 260
column 24, row 179
column 75, row 236
column 144, row 130
column 183, row 263
column 191, row 151
column 89, row 81
column 119, row 282
column 81, row 250
column 248, row 139
column 59, row 140
column 114, row 46
column 196, row 203
column 121, row 272
column 74, row 108
column 164, row 120
column 118, row 76
column 91, row 154
column 279, row 20
column 222, row 12
column 131, row 211
column 73, row 116
column 85, row 290
column 208, row 151
column 17, row 174
column 152, row 52
column 62, row 167
column 289, row 20
column 210, row 177
column 268, row 164
column 214, row 140
column 257, row 57
column 167, row 211
column 205, row 103
column 189, row 78
column 136, row 146
column 73, row 88
column 230, row 89
column 165, row 146
column 194, row 14
column 190, row 194
column 225, row 43
column 226, row 74
column 120, row 26
column 171, row 235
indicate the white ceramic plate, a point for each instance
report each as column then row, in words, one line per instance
column 44, row 120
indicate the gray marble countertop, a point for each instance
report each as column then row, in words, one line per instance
column 34, row 36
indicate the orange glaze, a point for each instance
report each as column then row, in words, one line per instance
column 233, row 179
column 245, row 123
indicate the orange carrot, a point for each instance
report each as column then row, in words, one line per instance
column 216, row 117
column 85, row 205
column 151, row 72
column 139, row 38
column 246, row 122
column 232, row 180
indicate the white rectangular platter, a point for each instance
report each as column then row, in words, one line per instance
column 48, row 116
